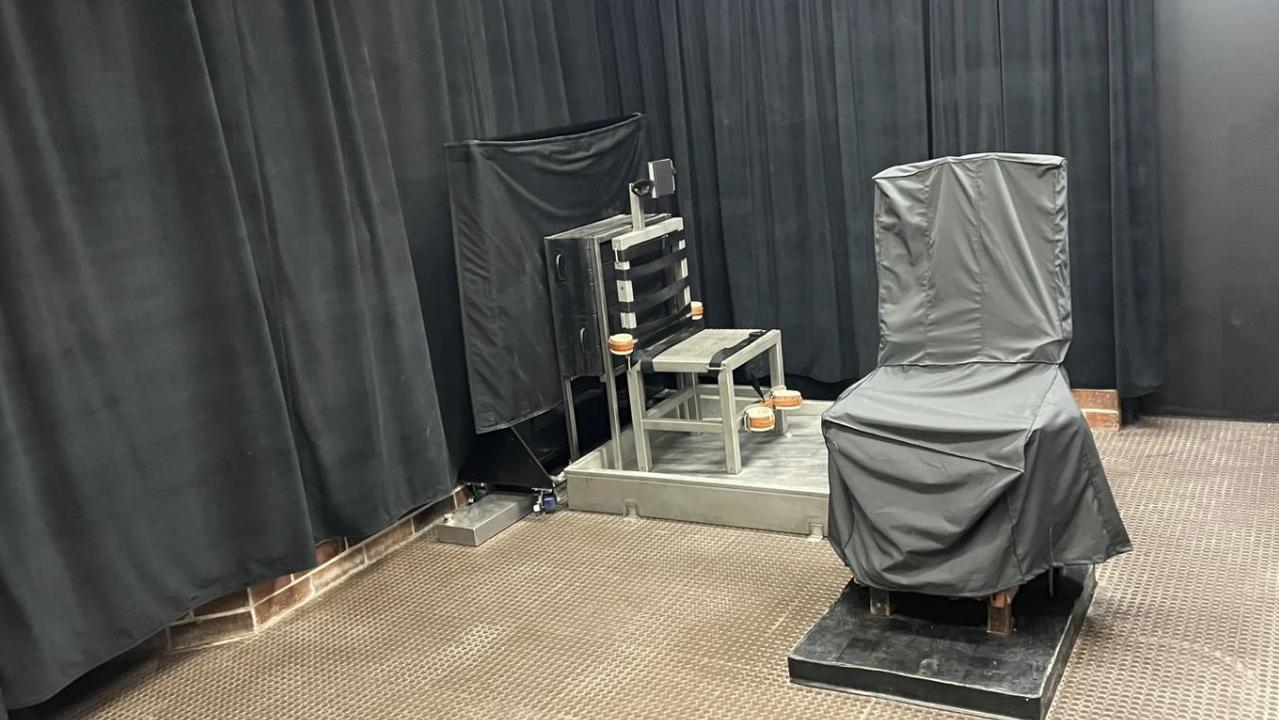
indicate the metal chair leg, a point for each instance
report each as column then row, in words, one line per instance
column 881, row 602
column 635, row 388
column 570, row 419
column 999, row 612
column 728, row 418
column 776, row 377
column 681, row 384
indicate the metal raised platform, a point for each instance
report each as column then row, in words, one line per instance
column 782, row 486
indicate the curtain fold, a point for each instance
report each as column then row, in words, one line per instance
column 211, row 347
column 146, row 457
column 334, row 259
column 780, row 113
column 1137, row 255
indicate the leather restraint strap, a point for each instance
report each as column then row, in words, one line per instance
column 642, row 249
column 724, row 353
column 660, row 327
column 644, row 356
column 640, row 270
column 655, row 298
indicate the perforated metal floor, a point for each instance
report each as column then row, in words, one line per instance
column 593, row 616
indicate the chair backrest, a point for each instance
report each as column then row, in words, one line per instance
column 651, row 279
column 973, row 260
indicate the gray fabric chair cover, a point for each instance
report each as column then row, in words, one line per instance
column 961, row 465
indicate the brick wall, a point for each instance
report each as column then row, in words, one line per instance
column 245, row 612
column 1101, row 408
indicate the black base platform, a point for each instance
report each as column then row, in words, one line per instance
column 936, row 651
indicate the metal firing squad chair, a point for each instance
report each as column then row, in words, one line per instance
column 633, row 276
column 961, row 466
column 660, row 334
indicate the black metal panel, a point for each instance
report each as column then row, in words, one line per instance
column 574, row 290
column 936, row 651
column 502, row 457
column 574, row 305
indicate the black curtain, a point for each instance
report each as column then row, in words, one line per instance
column 146, row 450
column 781, row 111
column 224, row 228
column 321, row 204
column 211, row 348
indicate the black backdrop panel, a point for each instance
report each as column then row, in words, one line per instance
column 1218, row 131
column 506, row 195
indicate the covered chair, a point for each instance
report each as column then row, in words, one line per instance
column 961, row 465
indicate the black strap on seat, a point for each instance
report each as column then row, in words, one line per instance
column 644, row 355
column 717, row 360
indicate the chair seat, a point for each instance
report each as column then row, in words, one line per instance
column 964, row 480
column 719, row 351
column 728, row 347
column 977, row 410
